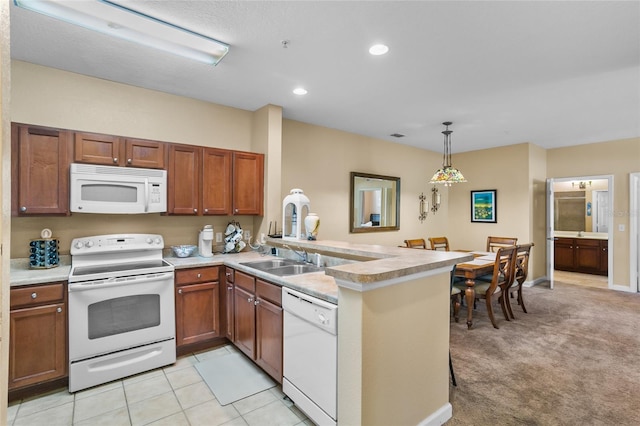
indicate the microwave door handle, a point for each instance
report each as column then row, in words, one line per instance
column 146, row 195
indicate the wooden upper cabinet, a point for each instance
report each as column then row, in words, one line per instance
column 95, row 148
column 216, row 182
column 184, row 177
column 112, row 150
column 40, row 170
column 248, row 183
column 143, row 153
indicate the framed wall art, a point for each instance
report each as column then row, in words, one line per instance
column 484, row 206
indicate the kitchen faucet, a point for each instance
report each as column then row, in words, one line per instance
column 304, row 255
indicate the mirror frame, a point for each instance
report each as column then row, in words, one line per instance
column 362, row 229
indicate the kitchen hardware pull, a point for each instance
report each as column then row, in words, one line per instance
column 195, row 210
column 59, row 310
column 250, row 300
column 179, row 291
column 206, row 210
column 230, row 287
column 228, row 274
column 128, row 160
column 23, row 209
column 256, row 302
column 115, row 160
column 199, row 275
column 34, row 295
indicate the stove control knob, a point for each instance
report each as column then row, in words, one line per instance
column 79, row 244
column 149, row 240
column 89, row 243
column 157, row 241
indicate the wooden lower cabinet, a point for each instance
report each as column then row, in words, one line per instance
column 257, row 322
column 585, row 255
column 197, row 305
column 37, row 334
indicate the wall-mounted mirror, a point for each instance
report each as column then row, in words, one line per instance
column 375, row 203
column 581, row 205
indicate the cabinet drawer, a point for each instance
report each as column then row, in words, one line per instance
column 268, row 291
column 37, row 295
column 197, row 275
column 245, row 281
column 230, row 274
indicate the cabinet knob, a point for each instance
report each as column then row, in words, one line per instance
column 59, row 310
column 34, row 295
column 195, row 210
column 250, row 300
column 229, row 287
column 179, row 291
column 115, row 160
column 23, row 209
column 236, row 210
column 128, row 160
column 228, row 274
column 199, row 275
column 206, row 210
column 256, row 302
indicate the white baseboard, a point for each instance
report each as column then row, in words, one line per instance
column 439, row 417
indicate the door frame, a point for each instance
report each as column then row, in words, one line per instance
column 634, row 232
column 550, row 227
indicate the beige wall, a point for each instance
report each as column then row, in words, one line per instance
column 616, row 158
column 5, row 201
column 318, row 160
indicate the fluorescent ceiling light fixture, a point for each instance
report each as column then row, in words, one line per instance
column 118, row 21
column 300, row 91
column 378, row 49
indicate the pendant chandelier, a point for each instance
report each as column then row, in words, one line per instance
column 447, row 174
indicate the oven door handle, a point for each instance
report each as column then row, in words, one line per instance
column 146, row 195
column 117, row 282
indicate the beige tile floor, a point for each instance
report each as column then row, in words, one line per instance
column 175, row 395
column 586, row 280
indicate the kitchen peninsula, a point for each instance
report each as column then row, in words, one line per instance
column 393, row 331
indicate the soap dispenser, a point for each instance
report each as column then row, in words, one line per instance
column 205, row 241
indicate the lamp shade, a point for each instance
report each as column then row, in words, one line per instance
column 448, row 175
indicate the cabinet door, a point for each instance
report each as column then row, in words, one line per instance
column 587, row 255
column 143, row 153
column 244, row 321
column 216, row 182
column 183, row 178
column 563, row 254
column 95, row 148
column 248, row 183
column 269, row 338
column 40, row 170
column 37, row 345
column 604, row 257
column 197, row 316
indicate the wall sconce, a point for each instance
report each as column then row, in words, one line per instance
column 424, row 207
column 581, row 185
column 435, row 200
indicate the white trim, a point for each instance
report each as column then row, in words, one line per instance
column 362, row 287
column 438, row 417
column 634, row 231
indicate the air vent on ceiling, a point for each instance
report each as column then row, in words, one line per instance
column 397, row 135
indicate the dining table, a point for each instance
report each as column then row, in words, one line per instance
column 482, row 264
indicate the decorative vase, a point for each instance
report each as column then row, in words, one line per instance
column 311, row 225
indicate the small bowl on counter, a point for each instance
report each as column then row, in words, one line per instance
column 183, row 250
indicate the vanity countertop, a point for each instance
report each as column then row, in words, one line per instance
column 584, row 235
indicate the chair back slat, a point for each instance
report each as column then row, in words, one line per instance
column 416, row 243
column 439, row 243
column 494, row 243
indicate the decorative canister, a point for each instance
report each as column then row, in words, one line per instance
column 295, row 208
column 311, row 225
column 44, row 251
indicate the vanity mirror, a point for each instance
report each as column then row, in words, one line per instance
column 374, row 203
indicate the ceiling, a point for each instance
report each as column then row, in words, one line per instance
column 504, row 72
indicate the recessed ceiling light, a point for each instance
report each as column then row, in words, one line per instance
column 378, row 49
column 300, row 91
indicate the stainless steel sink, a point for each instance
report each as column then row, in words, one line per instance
column 283, row 267
column 269, row 264
column 294, row 270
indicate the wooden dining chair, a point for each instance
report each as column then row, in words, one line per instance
column 502, row 278
column 416, row 243
column 494, row 243
column 521, row 271
column 439, row 243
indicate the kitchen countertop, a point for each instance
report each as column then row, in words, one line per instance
column 371, row 264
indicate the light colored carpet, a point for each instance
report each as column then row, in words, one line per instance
column 572, row 360
column 232, row 377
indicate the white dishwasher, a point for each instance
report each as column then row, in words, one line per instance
column 310, row 355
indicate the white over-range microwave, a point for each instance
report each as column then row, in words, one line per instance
column 117, row 190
